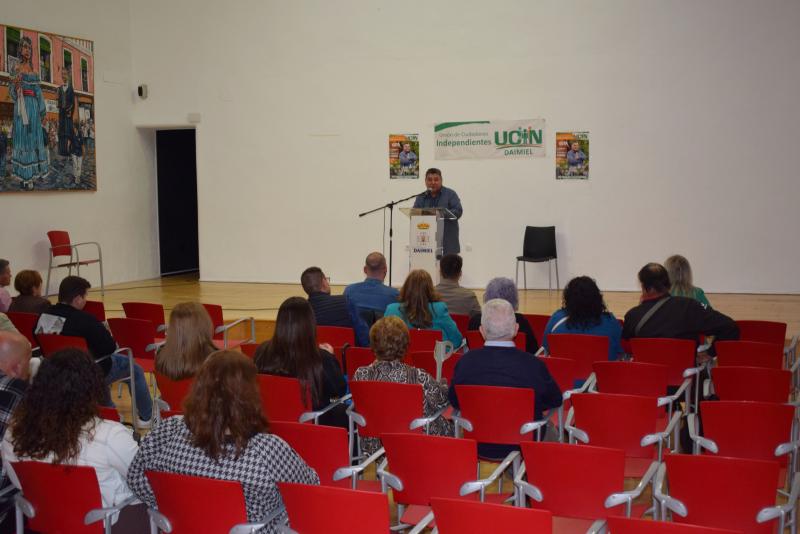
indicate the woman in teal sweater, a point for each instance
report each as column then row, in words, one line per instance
column 680, row 276
column 420, row 307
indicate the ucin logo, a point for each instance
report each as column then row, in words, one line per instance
column 518, row 138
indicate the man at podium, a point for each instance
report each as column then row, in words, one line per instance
column 438, row 196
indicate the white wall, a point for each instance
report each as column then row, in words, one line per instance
column 121, row 215
column 690, row 106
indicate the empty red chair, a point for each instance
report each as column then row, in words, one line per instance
column 109, row 414
column 678, row 355
column 173, row 391
column 475, row 340
column 462, row 322
column 50, row 343
column 582, row 348
column 751, row 384
column 249, row 349
column 96, row 309
column 147, row 311
column 62, row 498
column 763, row 331
column 426, row 361
column 281, row 400
column 138, row 335
column 26, row 324
column 565, row 372
column 749, row 354
column 456, row 516
column 355, row 357
column 339, row 338
column 538, row 324
column 623, row 525
column 222, row 339
column 62, row 247
column 326, row 510
column 423, row 340
column 195, row 504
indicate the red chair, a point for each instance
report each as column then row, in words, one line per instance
column 722, row 492
column 475, row 340
column 96, row 309
column 221, row 328
column 110, row 414
column 423, row 467
column 422, row 340
column 538, row 324
column 60, row 247
column 462, row 322
column 147, row 311
column 355, row 357
column 466, row 517
column 62, row 498
column 749, row 354
column 565, row 372
column 50, row 343
column 195, row 504
column 26, row 324
column 580, row 486
column 427, row 362
column 249, row 349
column 622, row 525
column 679, row 357
column 582, row 348
column 335, row 510
column 281, row 400
column 751, row 384
column 339, row 337
column 173, row 392
column 763, row 331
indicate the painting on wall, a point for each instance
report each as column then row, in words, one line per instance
column 47, row 116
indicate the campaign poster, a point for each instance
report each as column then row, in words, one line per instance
column 572, row 155
column 515, row 139
column 404, row 156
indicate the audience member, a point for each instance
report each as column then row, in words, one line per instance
column 5, row 281
column 680, row 276
column 30, row 300
column 389, row 341
column 458, row 299
column 188, row 343
column 368, row 299
column 584, row 312
column 58, row 422
column 329, row 310
column 68, row 318
column 421, row 307
column 224, row 435
column 15, row 356
column 293, row 352
column 500, row 363
column 506, row 289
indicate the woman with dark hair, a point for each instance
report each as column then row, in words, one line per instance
column 57, row 421
column 421, row 307
column 188, row 341
column 223, row 434
column 30, row 300
column 585, row 312
column 293, row 352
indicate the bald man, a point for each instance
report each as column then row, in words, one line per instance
column 367, row 300
column 15, row 357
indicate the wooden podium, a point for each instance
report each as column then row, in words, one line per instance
column 425, row 238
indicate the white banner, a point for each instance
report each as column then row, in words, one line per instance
column 490, row 139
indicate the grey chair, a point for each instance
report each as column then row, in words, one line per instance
column 539, row 246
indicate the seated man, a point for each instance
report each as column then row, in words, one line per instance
column 500, row 363
column 329, row 310
column 458, row 299
column 367, row 300
column 68, row 318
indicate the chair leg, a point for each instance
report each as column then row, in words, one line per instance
column 100, row 263
column 516, row 275
column 558, row 285
column 549, row 278
column 47, row 285
column 525, row 274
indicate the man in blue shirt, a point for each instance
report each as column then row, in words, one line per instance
column 367, row 300
column 442, row 197
column 576, row 158
column 407, row 157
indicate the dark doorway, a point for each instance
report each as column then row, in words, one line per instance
column 177, row 201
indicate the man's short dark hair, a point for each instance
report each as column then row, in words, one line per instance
column 3, row 265
column 654, row 277
column 71, row 287
column 450, row 266
column 311, row 280
column 433, row 170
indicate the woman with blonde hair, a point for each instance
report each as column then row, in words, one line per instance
column 421, row 307
column 188, row 341
column 680, row 276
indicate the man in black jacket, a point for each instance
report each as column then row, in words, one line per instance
column 329, row 310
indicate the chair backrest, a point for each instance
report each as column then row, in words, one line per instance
column 197, row 504
column 747, row 429
column 146, row 311
column 59, row 243
column 419, row 340
column 540, row 242
column 466, row 517
column 752, row 384
column 96, row 309
column 335, row 510
column 173, row 391
column 386, row 406
column 624, row 525
column 61, row 496
column 425, row 361
column 496, row 413
column 677, row 354
column 462, row 322
column 764, row 331
column 722, row 492
column 50, row 343
column 617, row 421
column 281, row 398
column 109, row 414
column 429, row 466
column 563, row 370
column 538, row 324
column 135, row 334
column 355, row 357
column 25, row 323
column 574, row 481
column 249, row 349
column 324, row 448
column 475, row 340
column 583, row 348
column 631, row 378
column 215, row 313
column 749, row 353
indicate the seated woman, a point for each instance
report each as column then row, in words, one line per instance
column 389, row 340
column 293, row 352
column 420, row 307
column 506, row 289
column 188, row 341
column 57, row 421
column 585, row 312
column 224, row 435
column 30, row 300
column 680, row 276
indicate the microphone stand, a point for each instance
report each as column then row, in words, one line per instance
column 390, row 206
